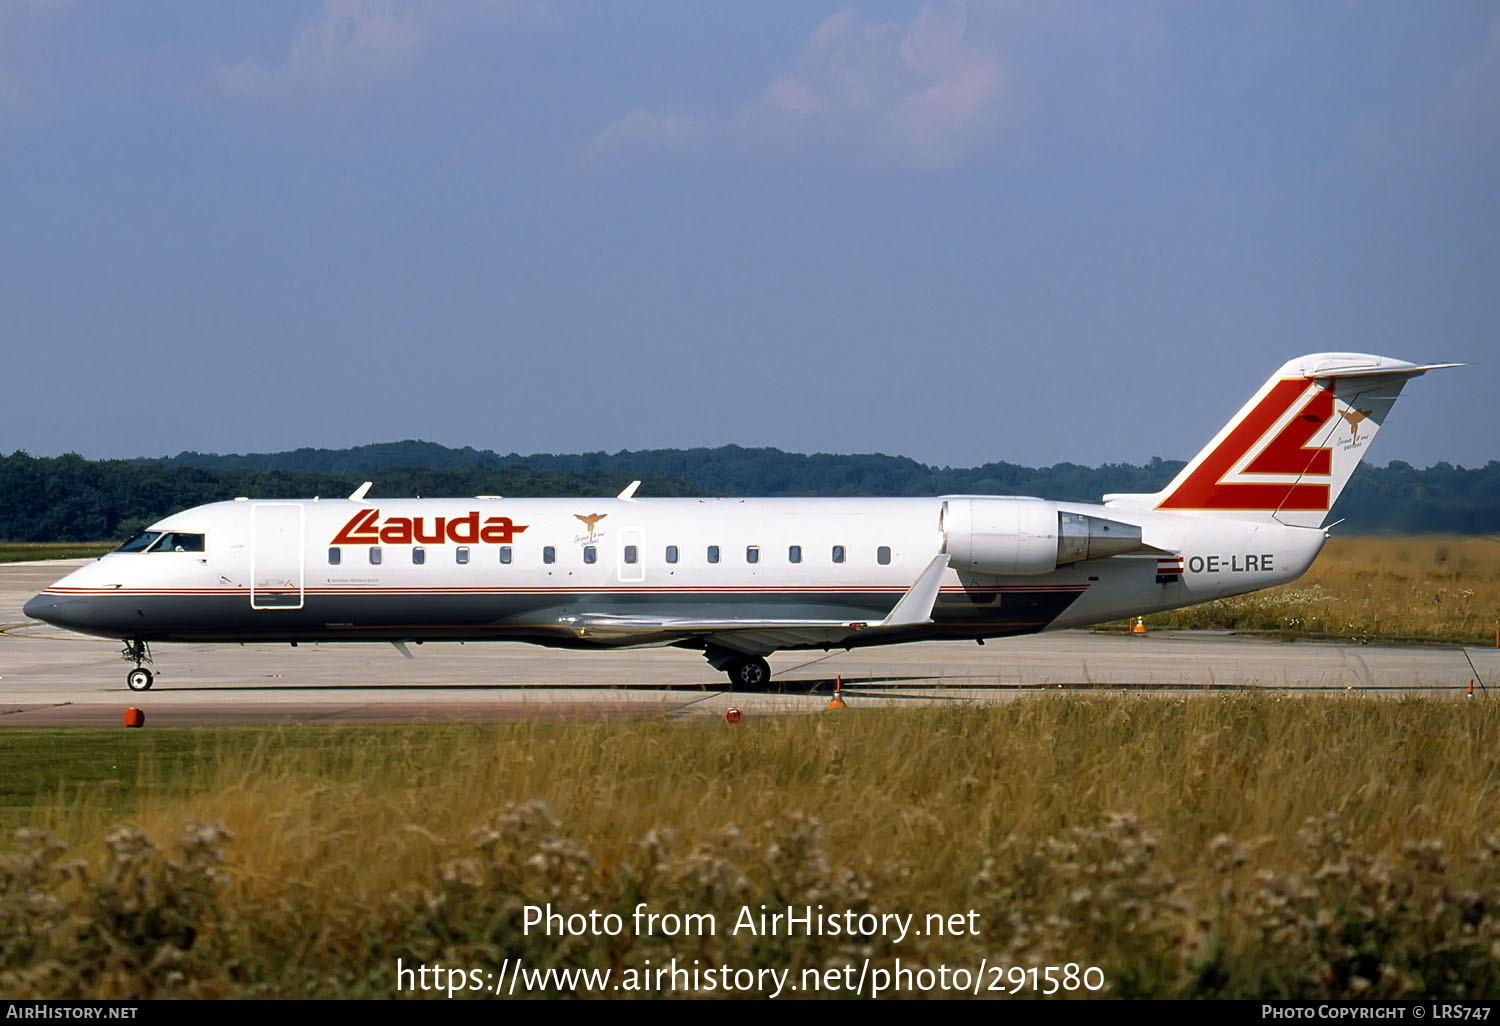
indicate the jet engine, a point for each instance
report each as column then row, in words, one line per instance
column 1027, row 536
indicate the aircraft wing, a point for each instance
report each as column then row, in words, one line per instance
column 914, row 607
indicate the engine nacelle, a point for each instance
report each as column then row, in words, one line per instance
column 1027, row 536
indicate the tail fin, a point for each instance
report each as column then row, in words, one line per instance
column 1290, row 450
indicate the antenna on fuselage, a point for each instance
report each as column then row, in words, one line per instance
column 360, row 492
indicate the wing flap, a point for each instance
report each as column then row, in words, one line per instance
column 913, row 608
column 605, row 625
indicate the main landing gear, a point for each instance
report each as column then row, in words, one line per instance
column 748, row 672
column 140, row 678
column 744, row 671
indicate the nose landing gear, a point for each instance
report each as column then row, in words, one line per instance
column 140, row 678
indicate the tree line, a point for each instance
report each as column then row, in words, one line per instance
column 69, row 498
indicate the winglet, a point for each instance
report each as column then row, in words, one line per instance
column 360, row 492
column 628, row 495
column 916, row 605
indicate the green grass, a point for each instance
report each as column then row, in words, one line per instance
column 78, row 779
column 17, row 552
column 104, row 775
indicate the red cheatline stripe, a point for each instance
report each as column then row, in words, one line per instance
column 613, row 590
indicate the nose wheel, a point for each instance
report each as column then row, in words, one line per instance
column 140, row 678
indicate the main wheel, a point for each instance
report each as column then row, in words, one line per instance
column 749, row 672
column 139, row 679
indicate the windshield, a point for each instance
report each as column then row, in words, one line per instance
column 140, row 542
column 158, row 541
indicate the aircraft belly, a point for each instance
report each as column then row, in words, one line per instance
column 1004, row 605
column 369, row 615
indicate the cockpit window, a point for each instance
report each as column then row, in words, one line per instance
column 140, row 543
column 177, row 541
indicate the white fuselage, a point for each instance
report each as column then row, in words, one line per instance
column 538, row 570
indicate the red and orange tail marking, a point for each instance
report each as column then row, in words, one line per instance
column 1215, row 483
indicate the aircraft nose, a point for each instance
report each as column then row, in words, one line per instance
column 38, row 608
column 58, row 610
column 86, row 614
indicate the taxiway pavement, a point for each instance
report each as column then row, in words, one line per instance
column 54, row 677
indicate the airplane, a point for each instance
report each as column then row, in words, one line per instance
column 739, row 579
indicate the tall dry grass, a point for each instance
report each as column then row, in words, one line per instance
column 1432, row 587
column 1235, row 846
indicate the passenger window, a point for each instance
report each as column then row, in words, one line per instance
column 374, row 556
column 590, row 554
column 505, row 554
column 335, row 557
column 752, row 553
column 461, row 554
column 838, row 553
column 632, row 554
column 671, row 553
column 549, row 555
column 883, row 555
column 794, row 554
column 713, row 553
column 418, row 555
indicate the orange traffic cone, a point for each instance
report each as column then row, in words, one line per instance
column 1140, row 626
column 837, row 701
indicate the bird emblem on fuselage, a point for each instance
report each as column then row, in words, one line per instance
column 590, row 520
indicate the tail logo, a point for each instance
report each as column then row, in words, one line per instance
column 1354, row 417
column 1265, row 459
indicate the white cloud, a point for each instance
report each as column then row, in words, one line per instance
column 351, row 42
column 938, row 122
column 922, row 93
column 644, row 128
column 925, row 91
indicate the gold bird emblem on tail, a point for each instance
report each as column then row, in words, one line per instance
column 1354, row 416
column 590, row 520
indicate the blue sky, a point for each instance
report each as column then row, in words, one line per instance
column 961, row 232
